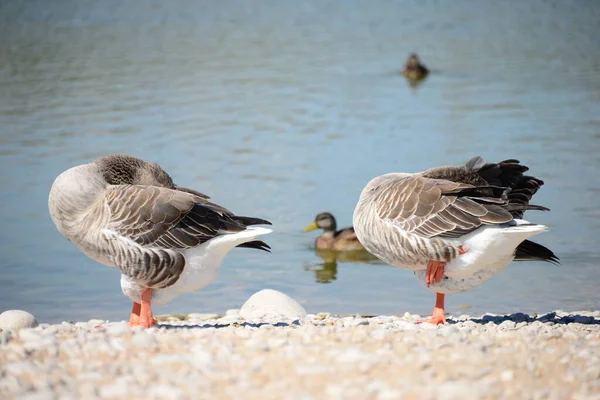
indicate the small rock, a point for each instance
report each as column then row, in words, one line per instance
column 313, row 369
column 28, row 334
column 22, row 368
column 507, row 324
column 270, row 302
column 93, row 323
column 142, row 339
column 490, row 318
column 17, row 319
column 322, row 315
column 547, row 317
column 5, row 336
column 203, row 317
column 351, row 356
column 358, row 322
column 406, row 326
column 167, row 359
column 117, row 389
column 583, row 319
column 507, row 375
column 162, row 391
column 448, row 330
column 520, row 317
column 44, row 394
column 118, row 328
column 427, row 326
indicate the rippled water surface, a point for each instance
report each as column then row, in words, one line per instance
column 285, row 109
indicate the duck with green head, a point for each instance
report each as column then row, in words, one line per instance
column 343, row 240
column 414, row 70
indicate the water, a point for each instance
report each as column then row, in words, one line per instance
column 284, row 109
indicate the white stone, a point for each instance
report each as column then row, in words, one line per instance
column 94, row 323
column 44, row 394
column 118, row 328
column 143, row 339
column 351, row 356
column 163, row 391
column 116, row 389
column 427, row 326
column 507, row 375
column 22, row 368
column 17, row 319
column 313, row 369
column 270, row 302
column 448, row 330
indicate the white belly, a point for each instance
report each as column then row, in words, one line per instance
column 462, row 282
column 489, row 251
column 201, row 268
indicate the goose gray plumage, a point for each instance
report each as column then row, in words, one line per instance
column 455, row 227
column 166, row 239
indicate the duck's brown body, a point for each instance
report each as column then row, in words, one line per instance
column 332, row 239
column 414, row 70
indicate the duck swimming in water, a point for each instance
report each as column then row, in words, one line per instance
column 343, row 240
column 414, row 70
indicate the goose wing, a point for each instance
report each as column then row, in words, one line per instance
column 144, row 224
column 437, row 207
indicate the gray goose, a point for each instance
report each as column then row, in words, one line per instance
column 166, row 239
column 455, row 227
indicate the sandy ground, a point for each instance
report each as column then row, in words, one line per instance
column 554, row 356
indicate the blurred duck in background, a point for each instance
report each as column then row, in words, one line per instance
column 414, row 70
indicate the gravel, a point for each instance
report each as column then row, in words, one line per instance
column 201, row 356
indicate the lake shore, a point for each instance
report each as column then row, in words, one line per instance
column 197, row 356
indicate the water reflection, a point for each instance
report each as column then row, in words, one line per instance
column 326, row 272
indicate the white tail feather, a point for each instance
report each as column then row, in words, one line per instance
column 203, row 263
column 491, row 247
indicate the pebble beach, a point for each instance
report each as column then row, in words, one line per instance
column 318, row 356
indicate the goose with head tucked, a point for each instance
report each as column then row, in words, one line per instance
column 455, row 227
column 165, row 239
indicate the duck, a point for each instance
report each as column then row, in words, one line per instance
column 343, row 240
column 165, row 239
column 413, row 69
column 455, row 227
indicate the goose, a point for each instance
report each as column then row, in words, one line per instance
column 331, row 239
column 455, row 227
column 414, row 70
column 165, row 239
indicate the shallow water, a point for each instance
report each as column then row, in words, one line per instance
column 284, row 109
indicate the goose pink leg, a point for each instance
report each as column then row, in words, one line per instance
column 435, row 273
column 141, row 314
column 439, row 315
